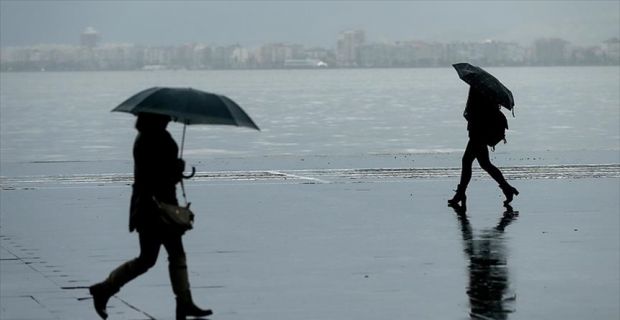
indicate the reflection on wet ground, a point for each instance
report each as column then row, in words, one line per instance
column 490, row 295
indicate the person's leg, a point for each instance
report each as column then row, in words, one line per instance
column 177, row 267
column 466, row 164
column 101, row 292
column 482, row 154
column 177, row 264
column 149, row 250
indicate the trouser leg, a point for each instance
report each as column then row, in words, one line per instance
column 103, row 291
column 149, row 250
column 177, row 265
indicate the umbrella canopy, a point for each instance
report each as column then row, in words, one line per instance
column 188, row 106
column 479, row 79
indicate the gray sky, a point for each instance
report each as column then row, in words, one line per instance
column 305, row 22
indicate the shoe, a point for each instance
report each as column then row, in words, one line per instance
column 101, row 294
column 459, row 197
column 509, row 191
column 187, row 308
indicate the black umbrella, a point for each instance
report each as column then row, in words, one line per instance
column 188, row 106
column 479, row 79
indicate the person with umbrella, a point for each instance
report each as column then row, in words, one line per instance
column 157, row 170
column 486, row 94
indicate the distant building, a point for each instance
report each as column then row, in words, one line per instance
column 551, row 51
column 274, row 55
column 472, row 52
column 322, row 54
column 424, row 54
column 500, row 53
column 611, row 49
column 352, row 51
column 89, row 38
column 201, row 58
column 158, row 55
column 376, row 55
column 401, row 54
column 240, row 57
column 347, row 49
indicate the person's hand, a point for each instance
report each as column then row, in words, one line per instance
column 180, row 165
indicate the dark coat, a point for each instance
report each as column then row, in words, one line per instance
column 157, row 170
column 476, row 112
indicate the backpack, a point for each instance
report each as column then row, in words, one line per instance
column 495, row 124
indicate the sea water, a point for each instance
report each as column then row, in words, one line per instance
column 65, row 116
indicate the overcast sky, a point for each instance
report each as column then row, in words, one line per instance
column 309, row 23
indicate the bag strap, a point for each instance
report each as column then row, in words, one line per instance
column 183, row 189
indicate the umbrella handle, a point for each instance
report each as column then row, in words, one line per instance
column 191, row 174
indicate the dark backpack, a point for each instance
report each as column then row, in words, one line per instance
column 495, row 124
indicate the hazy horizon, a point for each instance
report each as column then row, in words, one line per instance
column 311, row 23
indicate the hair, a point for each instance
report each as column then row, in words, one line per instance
column 151, row 122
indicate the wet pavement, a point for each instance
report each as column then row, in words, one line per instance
column 340, row 242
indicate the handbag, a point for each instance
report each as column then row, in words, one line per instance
column 176, row 218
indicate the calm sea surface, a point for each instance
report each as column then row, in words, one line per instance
column 66, row 116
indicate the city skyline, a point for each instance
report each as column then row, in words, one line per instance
column 306, row 22
column 352, row 51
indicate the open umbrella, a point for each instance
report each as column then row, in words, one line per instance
column 188, row 106
column 477, row 78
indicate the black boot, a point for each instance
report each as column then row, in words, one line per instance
column 187, row 308
column 509, row 191
column 459, row 198
column 101, row 293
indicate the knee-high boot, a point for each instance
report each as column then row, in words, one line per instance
column 180, row 286
column 103, row 291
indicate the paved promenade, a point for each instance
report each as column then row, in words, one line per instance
column 347, row 242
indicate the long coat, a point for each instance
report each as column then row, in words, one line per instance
column 157, row 170
column 479, row 113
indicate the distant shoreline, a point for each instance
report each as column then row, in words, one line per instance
column 310, row 69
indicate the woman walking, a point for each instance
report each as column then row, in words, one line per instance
column 476, row 113
column 157, row 170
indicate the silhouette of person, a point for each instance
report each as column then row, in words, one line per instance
column 157, row 170
column 477, row 105
column 488, row 291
